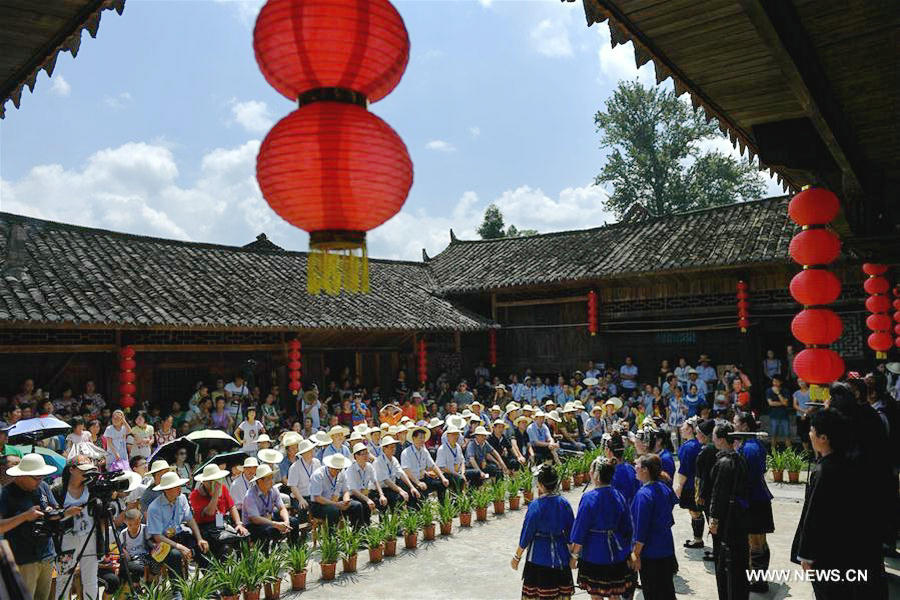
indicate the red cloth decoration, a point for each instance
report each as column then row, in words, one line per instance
column 818, row 366
column 876, row 285
column 815, row 247
column 492, row 347
column 308, row 44
column 814, row 206
column 593, row 323
column 817, row 326
column 874, row 269
column 815, row 286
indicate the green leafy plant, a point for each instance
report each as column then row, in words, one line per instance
column 297, row 557
column 629, row 455
column 228, row 573
column 390, row 524
column 498, row 490
column 329, row 546
column 794, row 461
column 373, row 536
column 254, row 566
column 158, row 590
column 463, row 502
column 275, row 563
column 775, row 460
column 525, row 479
column 482, row 496
column 447, row 509
column 349, row 539
column 564, row 469
column 427, row 513
column 409, row 521
column 196, row 587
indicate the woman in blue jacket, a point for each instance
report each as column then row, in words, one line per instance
column 653, row 553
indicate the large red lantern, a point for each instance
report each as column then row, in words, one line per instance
column 818, row 366
column 593, row 321
column 813, row 287
column 879, row 322
column 814, row 206
column 127, row 377
column 331, row 167
column 817, row 326
column 492, row 347
column 743, row 305
column 815, row 247
column 294, row 366
column 879, row 304
column 423, row 362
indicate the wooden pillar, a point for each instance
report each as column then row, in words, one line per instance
column 457, row 342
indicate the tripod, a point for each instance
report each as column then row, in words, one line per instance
column 101, row 512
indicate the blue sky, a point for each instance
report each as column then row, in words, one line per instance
column 154, row 128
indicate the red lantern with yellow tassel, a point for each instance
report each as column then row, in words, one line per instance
column 593, row 321
column 813, row 287
column 743, row 305
column 294, row 366
column 127, row 377
column 879, row 305
column 331, row 167
column 492, row 347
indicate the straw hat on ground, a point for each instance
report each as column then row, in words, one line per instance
column 168, row 481
column 338, row 461
column 31, row 465
column 211, row 472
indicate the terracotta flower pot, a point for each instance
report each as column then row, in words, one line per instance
column 447, row 528
column 349, row 564
column 428, row 532
column 231, row 597
column 390, row 547
column 499, row 507
column 514, row 502
column 328, row 570
column 298, row 581
column 251, row 594
column 465, row 519
column 529, row 496
column 481, row 513
column 410, row 540
column 777, row 475
column 377, row 554
column 794, row 476
column 566, row 484
column 273, row 590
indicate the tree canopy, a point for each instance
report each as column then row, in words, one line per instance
column 656, row 158
column 492, row 226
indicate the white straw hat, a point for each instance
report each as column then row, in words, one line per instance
column 338, row 429
column 267, row 455
column 359, row 447
column 452, row 429
column 291, row 438
column 321, row 438
column 133, row 479
column 387, row 441
column 158, row 465
column 264, row 438
column 31, row 465
column 413, row 429
column 261, row 472
column 211, row 472
column 480, row 430
column 169, row 480
column 305, row 446
column 337, row 461
column 434, row 422
column 250, row 462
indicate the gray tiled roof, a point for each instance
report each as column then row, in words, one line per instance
column 64, row 273
column 745, row 233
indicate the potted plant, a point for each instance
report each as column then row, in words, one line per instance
column 374, row 538
column 794, row 463
column 349, row 540
column 498, row 495
column 161, row 589
column 565, row 472
column 297, row 559
column 629, row 454
column 527, row 485
column 254, row 571
column 512, row 485
column 481, row 497
column 196, row 587
column 578, row 470
column 390, row 527
column 329, row 551
column 446, row 511
column 409, row 522
column 427, row 514
column 228, row 575
column 273, row 566
column 775, row 461
column 463, row 502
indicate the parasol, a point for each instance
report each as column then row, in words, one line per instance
column 30, row 431
column 226, row 459
column 167, row 451
column 213, row 439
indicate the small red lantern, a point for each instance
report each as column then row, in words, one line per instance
column 127, row 377
column 592, row 312
column 127, row 389
column 743, row 306
column 126, row 402
column 294, row 386
column 878, row 304
column 492, row 347
column 423, row 362
column 881, row 342
column 814, row 206
column 876, row 285
column 879, row 322
column 819, row 366
column 817, row 326
column 294, row 366
column 815, row 247
column 812, row 287
column 874, row 269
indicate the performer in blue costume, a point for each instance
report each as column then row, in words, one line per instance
column 760, row 511
column 653, row 553
column 684, row 481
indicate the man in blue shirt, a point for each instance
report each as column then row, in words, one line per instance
column 170, row 521
column 628, row 374
column 542, row 442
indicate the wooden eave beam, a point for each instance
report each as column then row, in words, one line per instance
column 779, row 26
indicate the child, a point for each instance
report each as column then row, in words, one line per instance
column 137, row 544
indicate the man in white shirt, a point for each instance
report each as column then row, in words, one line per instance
column 299, row 475
column 329, row 492
column 389, row 473
column 420, row 467
column 361, row 481
column 242, row 483
column 451, row 459
column 592, row 371
column 236, row 392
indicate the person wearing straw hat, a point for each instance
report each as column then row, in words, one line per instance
column 450, row 458
column 373, row 441
column 299, row 477
column 504, row 451
column 512, row 413
column 520, row 438
column 495, row 413
column 157, row 470
column 480, row 458
column 171, row 524
column 419, row 466
column 211, row 502
column 242, row 483
column 322, row 440
column 388, row 472
column 362, row 482
column 330, row 493
column 542, row 443
column 273, row 458
column 595, row 427
column 23, row 501
column 399, row 432
column 570, row 430
column 436, row 427
column 264, row 513
column 337, row 445
column 290, row 441
column 476, row 409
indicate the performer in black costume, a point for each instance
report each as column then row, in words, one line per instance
column 729, row 517
column 705, row 461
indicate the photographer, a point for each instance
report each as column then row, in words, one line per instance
column 74, row 495
column 22, row 502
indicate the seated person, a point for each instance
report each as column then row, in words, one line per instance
column 389, row 474
column 505, row 450
column 337, row 445
column 481, row 460
column 420, row 467
column 594, row 429
column 570, row 431
column 362, row 482
column 330, row 494
column 299, row 477
column 171, row 524
column 211, row 502
column 242, row 482
column 137, row 544
column 261, row 506
column 542, row 442
column 157, row 470
column 451, row 458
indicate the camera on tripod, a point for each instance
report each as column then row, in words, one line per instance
column 102, row 486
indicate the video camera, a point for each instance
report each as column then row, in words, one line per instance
column 52, row 524
column 103, row 485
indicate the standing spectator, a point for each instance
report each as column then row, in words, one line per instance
column 628, row 374
column 165, row 433
column 707, row 373
column 115, row 439
column 359, row 410
column 249, row 431
column 345, row 417
column 270, row 415
column 219, row 392
column 681, row 372
column 220, row 418
column 141, row 439
column 27, row 394
column 771, row 365
column 236, row 393
column 311, row 408
column 482, row 371
column 592, row 371
column 801, row 398
column 664, row 371
column 67, row 404
column 693, row 401
column 739, row 397
column 779, row 426
column 462, row 396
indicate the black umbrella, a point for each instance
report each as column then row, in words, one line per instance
column 225, row 459
column 213, row 439
column 168, row 451
column 30, row 431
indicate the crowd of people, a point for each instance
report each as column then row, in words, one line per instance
column 347, row 452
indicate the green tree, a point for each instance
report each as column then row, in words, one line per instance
column 512, row 231
column 655, row 155
column 492, row 225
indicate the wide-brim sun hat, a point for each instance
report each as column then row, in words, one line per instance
column 133, row 479
column 554, row 416
column 322, row 439
column 305, row 446
column 267, row 455
column 337, row 461
column 398, row 429
column 590, row 381
column 31, row 465
column 373, row 430
column 412, row 430
column 452, row 429
column 568, row 407
column 262, row 472
column 250, row 462
column 157, row 466
column 480, row 430
column 291, row 438
column 355, row 437
column 211, row 472
column 467, row 414
column 387, row 441
column 263, row 438
column 456, row 421
column 168, row 481
column 528, row 408
column 475, row 403
column 496, row 408
column 499, row 422
column 893, row 367
column 615, row 401
column 539, row 413
column 597, row 408
column 434, row 423
column 359, row 447
column 362, row 428
column 578, row 405
column 520, row 419
column 338, row 429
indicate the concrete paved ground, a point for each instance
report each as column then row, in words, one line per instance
column 474, row 562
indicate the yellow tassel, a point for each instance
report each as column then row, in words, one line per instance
column 364, row 277
column 333, row 265
column 314, row 272
column 351, row 275
column 819, row 393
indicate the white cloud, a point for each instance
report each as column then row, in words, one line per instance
column 252, row 115
column 440, row 146
column 618, row 63
column 550, row 37
column 118, row 101
column 475, row 131
column 246, row 10
column 60, row 86
column 485, row 3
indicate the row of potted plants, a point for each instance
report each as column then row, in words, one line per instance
column 786, row 460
